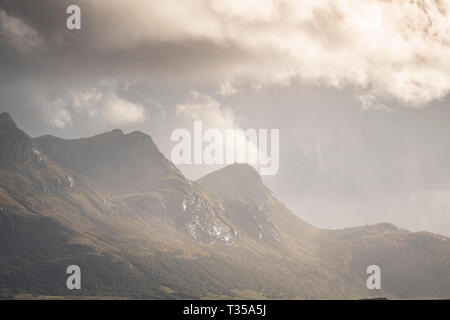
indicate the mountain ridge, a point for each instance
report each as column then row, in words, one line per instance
column 131, row 167
column 176, row 238
column 17, row 146
column 114, row 152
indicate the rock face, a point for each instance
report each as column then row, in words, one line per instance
column 114, row 205
column 250, row 205
column 247, row 201
column 16, row 146
column 131, row 167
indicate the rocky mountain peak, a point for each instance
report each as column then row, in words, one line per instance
column 6, row 120
column 234, row 181
column 115, row 132
column 17, row 148
column 120, row 163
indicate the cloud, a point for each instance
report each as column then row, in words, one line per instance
column 55, row 112
column 203, row 107
column 226, row 88
column 18, row 33
column 85, row 102
column 214, row 116
column 388, row 49
column 119, row 111
column 58, row 115
column 369, row 101
column 61, row 118
column 93, row 104
column 434, row 206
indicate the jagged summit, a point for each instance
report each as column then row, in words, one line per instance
column 253, row 207
column 242, row 168
column 113, row 134
column 120, row 163
column 139, row 134
column 17, row 148
column 236, row 180
column 110, row 134
column 6, row 119
column 241, row 171
column 117, row 132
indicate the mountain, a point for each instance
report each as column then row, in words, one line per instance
column 115, row 206
column 52, row 217
column 236, row 181
column 413, row 264
column 131, row 167
column 254, row 209
column 17, row 147
column 120, row 163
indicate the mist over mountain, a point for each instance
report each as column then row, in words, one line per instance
column 115, row 206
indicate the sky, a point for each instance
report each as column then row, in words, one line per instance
column 358, row 89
